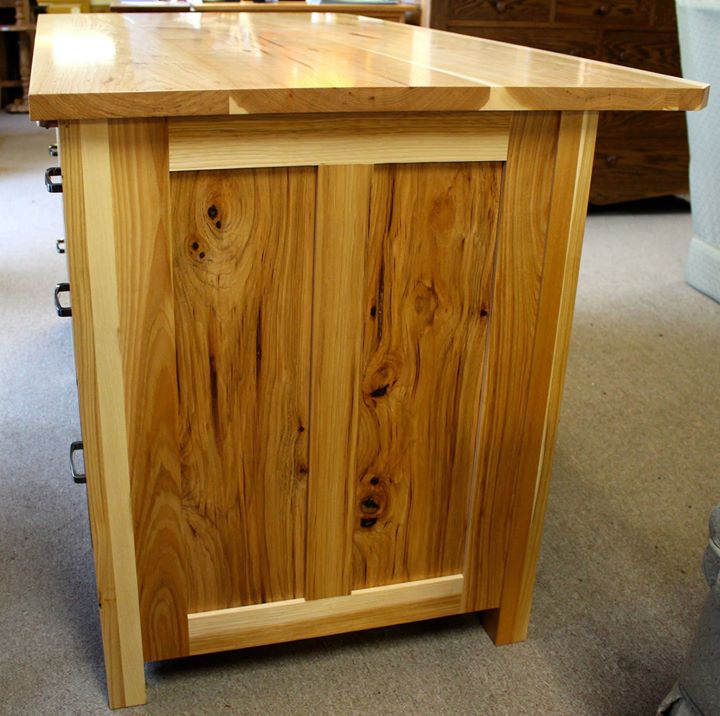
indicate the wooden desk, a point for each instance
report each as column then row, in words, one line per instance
column 393, row 12
column 323, row 275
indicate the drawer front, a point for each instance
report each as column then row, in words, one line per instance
column 653, row 51
column 502, row 10
column 581, row 43
column 601, row 13
column 665, row 15
column 638, row 126
column 626, row 168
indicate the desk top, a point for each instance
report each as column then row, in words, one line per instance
column 182, row 64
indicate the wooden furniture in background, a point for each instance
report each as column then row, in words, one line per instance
column 320, row 351
column 24, row 28
column 393, row 12
column 638, row 155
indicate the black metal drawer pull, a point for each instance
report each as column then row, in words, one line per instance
column 77, row 476
column 60, row 246
column 62, row 311
column 54, row 187
column 53, row 150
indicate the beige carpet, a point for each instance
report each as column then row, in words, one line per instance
column 637, row 472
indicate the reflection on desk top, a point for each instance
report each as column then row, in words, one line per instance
column 181, row 64
column 355, row 7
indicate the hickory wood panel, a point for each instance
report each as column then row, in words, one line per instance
column 88, row 194
column 299, row 619
column 428, row 280
column 520, row 256
column 269, row 63
column 570, row 189
column 141, row 196
column 221, row 143
column 343, row 198
column 242, row 279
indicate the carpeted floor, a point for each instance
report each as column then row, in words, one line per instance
column 637, row 471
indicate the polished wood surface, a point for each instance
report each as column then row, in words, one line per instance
column 111, row 65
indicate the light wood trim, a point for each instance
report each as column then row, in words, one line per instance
column 141, row 218
column 221, row 143
column 343, row 200
column 299, row 619
column 571, row 188
column 91, row 253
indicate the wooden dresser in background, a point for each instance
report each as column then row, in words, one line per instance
column 638, row 155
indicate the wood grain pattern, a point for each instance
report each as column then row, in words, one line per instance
column 300, row 619
column 570, row 188
column 141, row 196
column 115, row 65
column 242, row 261
column 340, row 244
column 88, row 197
column 221, row 143
column 428, row 282
column 519, row 263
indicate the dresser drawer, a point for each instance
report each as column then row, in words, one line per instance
column 623, row 170
column 601, row 13
column 666, row 125
column 503, row 10
column 580, row 43
column 665, row 15
column 656, row 51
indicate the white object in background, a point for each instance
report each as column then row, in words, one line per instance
column 699, row 29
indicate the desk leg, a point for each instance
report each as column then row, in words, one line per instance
column 566, row 224
column 92, row 258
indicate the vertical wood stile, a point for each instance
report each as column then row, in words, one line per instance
column 96, row 324
column 141, row 215
column 570, row 190
column 520, row 253
column 343, row 199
